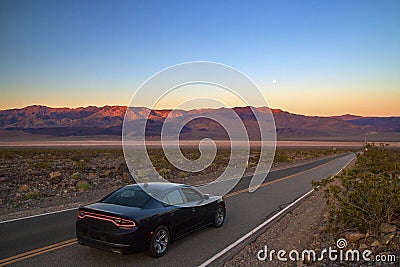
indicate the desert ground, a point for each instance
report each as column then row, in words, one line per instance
column 37, row 178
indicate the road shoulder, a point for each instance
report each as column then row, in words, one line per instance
column 295, row 230
column 60, row 203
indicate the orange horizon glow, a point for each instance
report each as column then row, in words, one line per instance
column 306, row 100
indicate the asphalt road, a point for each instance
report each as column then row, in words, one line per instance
column 245, row 211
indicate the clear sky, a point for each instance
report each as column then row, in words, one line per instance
column 327, row 57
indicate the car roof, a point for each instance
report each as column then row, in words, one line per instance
column 158, row 189
column 159, row 186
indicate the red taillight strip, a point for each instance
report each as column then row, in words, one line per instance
column 107, row 218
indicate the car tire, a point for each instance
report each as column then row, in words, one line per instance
column 219, row 216
column 159, row 242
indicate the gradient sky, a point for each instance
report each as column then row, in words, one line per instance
column 328, row 57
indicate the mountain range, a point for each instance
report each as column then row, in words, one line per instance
column 94, row 121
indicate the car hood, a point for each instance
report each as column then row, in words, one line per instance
column 112, row 209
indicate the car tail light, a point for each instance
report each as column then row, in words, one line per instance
column 120, row 222
column 127, row 224
column 81, row 214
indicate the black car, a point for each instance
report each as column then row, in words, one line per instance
column 131, row 219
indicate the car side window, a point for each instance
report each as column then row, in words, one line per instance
column 192, row 195
column 174, row 198
column 153, row 204
column 165, row 201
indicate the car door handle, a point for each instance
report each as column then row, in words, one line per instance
column 171, row 214
column 193, row 209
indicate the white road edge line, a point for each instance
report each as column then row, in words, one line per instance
column 49, row 213
column 37, row 215
column 237, row 242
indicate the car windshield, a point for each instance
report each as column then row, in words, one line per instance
column 128, row 196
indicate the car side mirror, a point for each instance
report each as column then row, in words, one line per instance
column 206, row 196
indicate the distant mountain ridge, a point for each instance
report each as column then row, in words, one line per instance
column 107, row 120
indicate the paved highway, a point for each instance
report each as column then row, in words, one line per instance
column 49, row 240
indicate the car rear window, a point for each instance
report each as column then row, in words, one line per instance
column 128, row 196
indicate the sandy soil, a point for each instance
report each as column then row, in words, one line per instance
column 57, row 203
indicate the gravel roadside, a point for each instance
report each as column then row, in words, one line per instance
column 295, row 230
column 76, row 199
column 305, row 228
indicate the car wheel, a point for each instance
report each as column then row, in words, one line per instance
column 219, row 216
column 159, row 242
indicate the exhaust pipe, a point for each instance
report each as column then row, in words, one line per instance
column 117, row 251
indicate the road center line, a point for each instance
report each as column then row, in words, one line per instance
column 271, row 219
column 73, row 241
column 38, row 251
column 278, row 180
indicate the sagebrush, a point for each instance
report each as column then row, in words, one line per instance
column 366, row 195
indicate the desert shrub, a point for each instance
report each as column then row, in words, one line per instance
column 75, row 175
column 281, row 157
column 32, row 195
column 75, row 157
column 44, row 164
column 82, row 164
column 368, row 194
column 165, row 173
column 252, row 164
column 182, row 174
column 83, row 186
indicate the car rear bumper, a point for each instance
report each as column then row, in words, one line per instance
column 118, row 248
column 121, row 241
